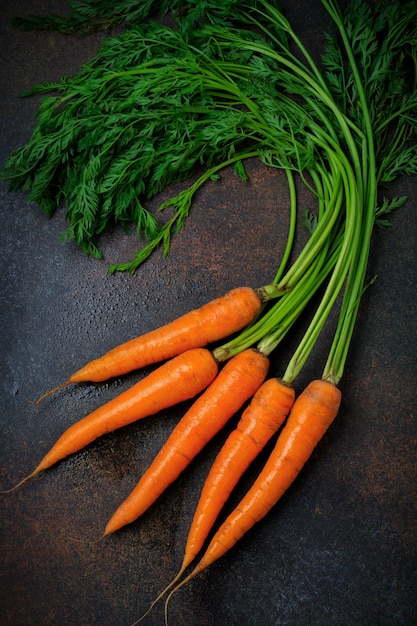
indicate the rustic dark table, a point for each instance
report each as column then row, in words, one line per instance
column 339, row 549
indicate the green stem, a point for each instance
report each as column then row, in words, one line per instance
column 287, row 312
column 335, row 364
column 284, row 312
column 319, row 236
column 350, row 241
column 292, row 227
column 279, row 318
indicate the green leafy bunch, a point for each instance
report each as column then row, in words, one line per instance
column 160, row 104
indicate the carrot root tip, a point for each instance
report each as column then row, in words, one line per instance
column 20, row 483
column 178, row 586
column 160, row 596
column 49, row 393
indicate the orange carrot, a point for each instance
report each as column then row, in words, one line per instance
column 259, row 421
column 262, row 419
column 312, row 413
column 213, row 321
column 235, row 384
column 177, row 380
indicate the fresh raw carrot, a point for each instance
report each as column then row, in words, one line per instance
column 213, row 321
column 177, row 380
column 259, row 421
column 234, row 385
column 312, row 413
column 262, row 419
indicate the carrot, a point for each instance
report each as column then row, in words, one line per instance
column 213, row 321
column 262, row 418
column 177, row 380
column 312, row 413
column 235, row 384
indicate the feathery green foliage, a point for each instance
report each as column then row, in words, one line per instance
column 158, row 104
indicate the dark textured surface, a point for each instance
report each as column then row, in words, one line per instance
column 339, row 549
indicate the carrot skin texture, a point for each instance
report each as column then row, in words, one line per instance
column 259, row 422
column 236, row 382
column 215, row 320
column 312, row 413
column 177, row 380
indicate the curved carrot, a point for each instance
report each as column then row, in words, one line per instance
column 234, row 385
column 262, row 419
column 312, row 413
column 177, row 380
column 213, row 321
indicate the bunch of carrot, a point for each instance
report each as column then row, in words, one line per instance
column 224, row 389
column 344, row 177
column 225, row 379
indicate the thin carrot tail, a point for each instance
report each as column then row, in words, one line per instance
column 21, row 482
column 160, row 595
column 49, row 393
column 198, row 568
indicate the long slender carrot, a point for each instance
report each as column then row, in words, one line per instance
column 259, row 422
column 177, row 380
column 197, row 328
column 234, row 385
column 312, row 413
